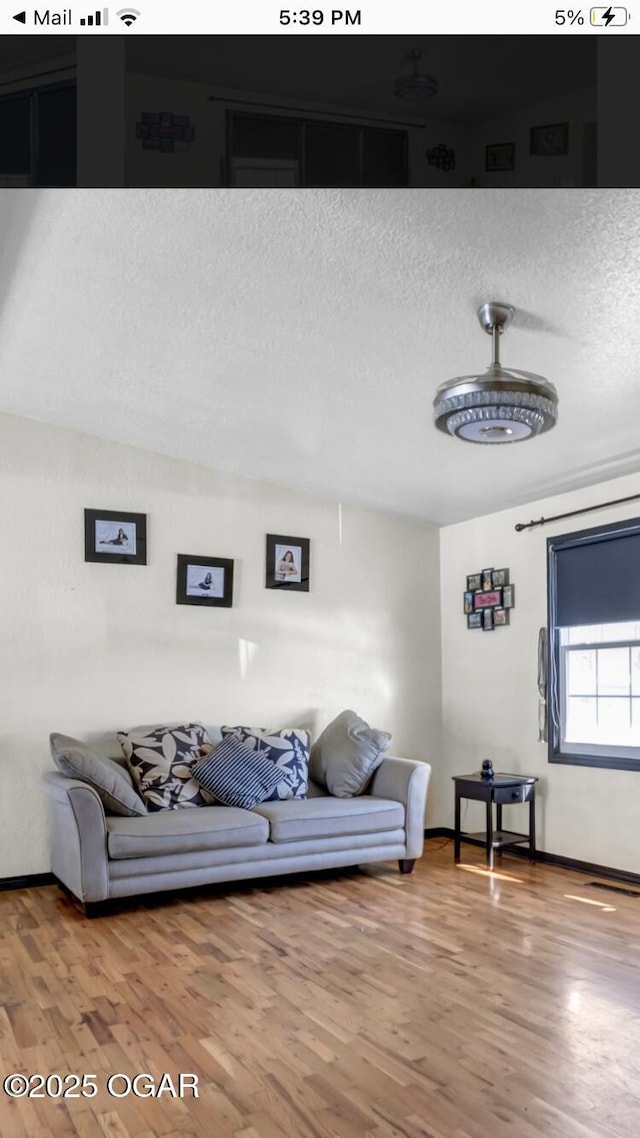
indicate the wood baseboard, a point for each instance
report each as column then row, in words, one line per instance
column 551, row 858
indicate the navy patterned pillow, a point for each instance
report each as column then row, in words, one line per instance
column 237, row 775
column 160, row 761
column 288, row 750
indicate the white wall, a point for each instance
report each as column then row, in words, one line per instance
column 575, row 107
column 91, row 647
column 490, row 697
column 203, row 164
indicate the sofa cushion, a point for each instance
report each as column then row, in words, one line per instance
column 160, row 761
column 327, row 817
column 347, row 754
column 112, row 782
column 288, row 749
column 184, row 831
column 237, row 775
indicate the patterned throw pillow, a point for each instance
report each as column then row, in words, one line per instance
column 237, row 775
column 160, row 760
column 288, row 750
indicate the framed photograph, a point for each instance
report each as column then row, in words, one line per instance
column 500, row 157
column 474, row 620
column 487, row 620
column 500, row 616
column 204, row 581
column 468, row 602
column 287, row 564
column 509, row 597
column 110, row 535
column 488, row 600
column 550, row 141
column 499, row 577
column 474, row 581
column 487, row 580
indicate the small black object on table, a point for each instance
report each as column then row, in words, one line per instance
column 504, row 790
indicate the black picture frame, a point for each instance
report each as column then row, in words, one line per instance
column 468, row 602
column 500, row 617
column 216, row 588
column 115, row 536
column 509, row 597
column 500, row 157
column 487, row 620
column 474, row 581
column 487, row 580
column 549, row 141
column 278, row 546
column 499, row 578
column 474, row 620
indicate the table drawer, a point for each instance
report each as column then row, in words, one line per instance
column 505, row 795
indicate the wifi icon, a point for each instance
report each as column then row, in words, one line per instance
column 128, row 16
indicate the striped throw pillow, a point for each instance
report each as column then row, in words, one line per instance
column 287, row 749
column 237, row 775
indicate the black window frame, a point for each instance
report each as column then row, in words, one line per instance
column 630, row 527
column 33, row 93
column 301, row 121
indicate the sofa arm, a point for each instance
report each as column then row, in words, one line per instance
column 78, row 837
column 406, row 781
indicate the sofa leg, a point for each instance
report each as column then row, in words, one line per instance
column 405, row 865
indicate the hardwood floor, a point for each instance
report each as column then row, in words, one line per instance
column 446, row 1004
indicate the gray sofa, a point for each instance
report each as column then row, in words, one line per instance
column 97, row 856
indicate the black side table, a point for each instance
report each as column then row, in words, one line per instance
column 504, row 790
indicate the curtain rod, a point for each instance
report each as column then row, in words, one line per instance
column 353, row 118
column 573, row 513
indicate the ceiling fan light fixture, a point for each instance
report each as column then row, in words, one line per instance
column 417, row 86
column 500, row 405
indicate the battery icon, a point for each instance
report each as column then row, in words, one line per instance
column 608, row 17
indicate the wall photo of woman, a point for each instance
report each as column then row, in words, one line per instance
column 287, row 564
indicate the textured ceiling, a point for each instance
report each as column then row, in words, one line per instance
column 298, row 336
column 477, row 77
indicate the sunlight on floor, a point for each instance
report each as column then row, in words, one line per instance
column 588, row 901
column 489, row 873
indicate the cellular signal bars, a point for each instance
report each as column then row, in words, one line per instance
column 101, row 19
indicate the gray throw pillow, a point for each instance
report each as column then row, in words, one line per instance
column 107, row 778
column 347, row 754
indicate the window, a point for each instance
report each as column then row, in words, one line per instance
column 313, row 152
column 594, row 647
column 39, row 137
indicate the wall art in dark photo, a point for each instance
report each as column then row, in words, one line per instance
column 330, row 111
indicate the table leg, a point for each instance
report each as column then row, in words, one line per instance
column 532, row 826
column 456, row 832
column 490, row 834
column 499, row 822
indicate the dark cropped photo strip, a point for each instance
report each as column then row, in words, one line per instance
column 297, row 111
